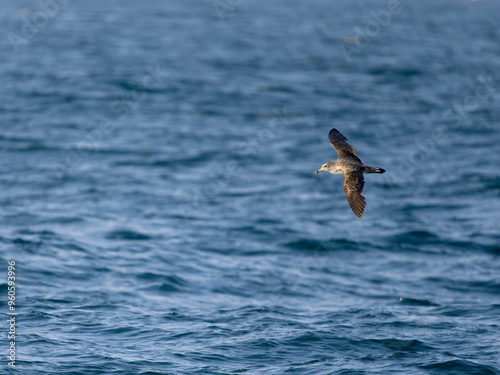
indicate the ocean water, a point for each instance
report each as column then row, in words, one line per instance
column 158, row 193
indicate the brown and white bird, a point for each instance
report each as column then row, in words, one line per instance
column 349, row 164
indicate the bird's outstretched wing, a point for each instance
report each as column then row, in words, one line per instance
column 353, row 186
column 340, row 143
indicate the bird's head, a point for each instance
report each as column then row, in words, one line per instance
column 326, row 167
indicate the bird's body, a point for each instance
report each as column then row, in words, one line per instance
column 349, row 164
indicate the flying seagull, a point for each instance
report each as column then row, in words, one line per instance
column 349, row 164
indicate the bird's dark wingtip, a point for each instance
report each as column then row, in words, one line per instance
column 334, row 134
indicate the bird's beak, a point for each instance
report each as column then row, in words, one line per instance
column 319, row 170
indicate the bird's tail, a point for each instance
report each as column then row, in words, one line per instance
column 368, row 169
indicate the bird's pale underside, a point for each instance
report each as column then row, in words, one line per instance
column 349, row 164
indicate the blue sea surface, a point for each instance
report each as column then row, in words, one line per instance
column 158, row 193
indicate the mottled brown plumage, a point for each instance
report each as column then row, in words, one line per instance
column 349, row 164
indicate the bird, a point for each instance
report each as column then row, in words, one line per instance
column 349, row 164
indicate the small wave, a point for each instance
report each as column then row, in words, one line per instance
column 403, row 72
column 162, row 283
column 461, row 366
column 201, row 157
column 327, row 245
column 416, row 302
column 403, row 345
column 420, row 236
column 127, row 235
